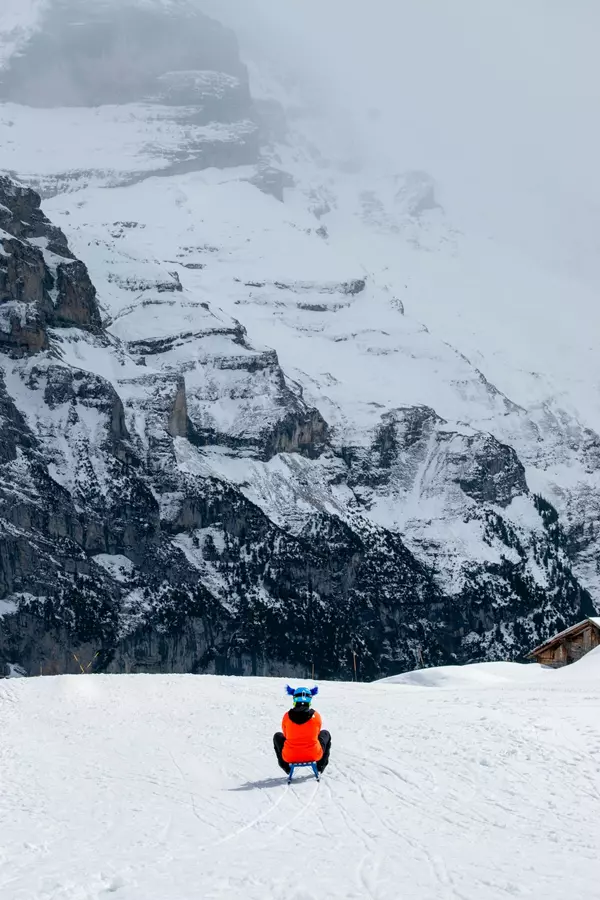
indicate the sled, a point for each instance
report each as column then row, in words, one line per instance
column 304, row 765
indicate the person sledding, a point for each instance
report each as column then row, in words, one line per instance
column 302, row 739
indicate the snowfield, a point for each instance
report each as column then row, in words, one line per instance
column 104, row 146
column 479, row 783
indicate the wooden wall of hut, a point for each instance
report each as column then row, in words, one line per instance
column 570, row 648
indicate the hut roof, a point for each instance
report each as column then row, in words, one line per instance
column 574, row 629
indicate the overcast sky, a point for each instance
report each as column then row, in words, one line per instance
column 497, row 99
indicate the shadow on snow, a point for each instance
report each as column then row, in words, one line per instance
column 268, row 783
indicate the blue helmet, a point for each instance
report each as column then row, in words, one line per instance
column 302, row 696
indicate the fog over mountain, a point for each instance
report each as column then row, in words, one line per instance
column 494, row 102
column 298, row 355
column 493, row 99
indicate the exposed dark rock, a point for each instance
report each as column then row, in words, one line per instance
column 76, row 297
column 272, row 181
column 301, row 430
column 172, row 285
column 305, row 433
column 22, row 217
column 486, row 470
column 156, row 346
column 349, row 288
column 41, row 284
column 25, row 278
column 25, row 304
column 490, row 472
column 284, row 423
column 354, row 287
column 400, row 444
column 178, row 418
column 63, row 385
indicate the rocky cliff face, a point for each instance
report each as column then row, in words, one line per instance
column 118, row 550
column 41, row 284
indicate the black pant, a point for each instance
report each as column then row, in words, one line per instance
column 324, row 740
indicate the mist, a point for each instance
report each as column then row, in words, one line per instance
column 495, row 100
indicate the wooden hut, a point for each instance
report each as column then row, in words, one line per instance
column 570, row 645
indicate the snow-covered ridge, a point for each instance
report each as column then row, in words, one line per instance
column 108, row 145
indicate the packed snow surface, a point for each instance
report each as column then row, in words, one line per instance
column 479, row 783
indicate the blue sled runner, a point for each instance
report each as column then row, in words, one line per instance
column 294, row 766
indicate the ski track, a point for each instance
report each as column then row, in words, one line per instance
column 166, row 788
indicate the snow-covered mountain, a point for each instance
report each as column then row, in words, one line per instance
column 268, row 403
column 443, row 785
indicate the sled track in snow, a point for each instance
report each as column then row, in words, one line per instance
column 434, row 795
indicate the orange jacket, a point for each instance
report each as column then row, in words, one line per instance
column 302, row 741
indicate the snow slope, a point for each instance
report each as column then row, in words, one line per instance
column 107, row 145
column 482, row 786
